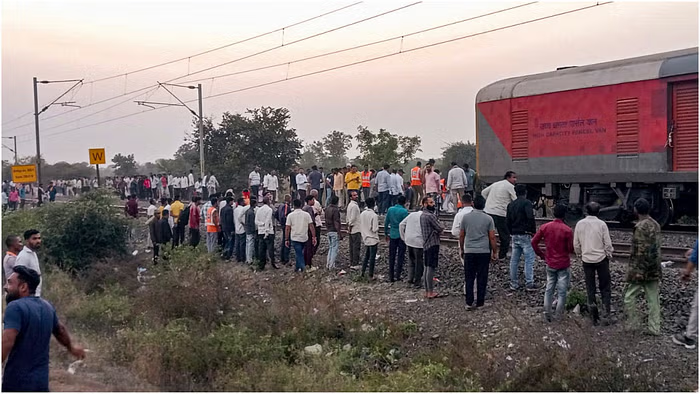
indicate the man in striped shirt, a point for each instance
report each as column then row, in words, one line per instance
column 431, row 230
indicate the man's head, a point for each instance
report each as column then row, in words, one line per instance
column 22, row 283
column 287, row 198
column 152, row 201
column 353, row 169
column 13, row 243
column 401, row 200
column 241, row 202
column 467, row 200
column 163, row 201
column 592, row 209
column 253, row 202
column 521, row 190
column 400, row 172
column 511, row 177
column 453, row 164
column 229, row 200
column 314, row 193
column 309, row 200
column 466, row 166
column 418, row 164
column 32, row 239
column 394, row 171
column 386, row 167
column 642, row 207
column 369, row 203
column 257, row 168
column 479, row 202
column 314, row 168
column 266, row 200
column 166, row 213
column 296, row 203
column 560, row 211
column 428, row 167
column 197, row 200
column 353, row 196
column 334, row 200
column 211, row 173
column 177, row 197
column 428, row 203
column 213, row 200
column 301, row 170
column 366, row 168
column 274, row 173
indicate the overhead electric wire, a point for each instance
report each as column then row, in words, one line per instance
column 356, row 63
column 358, row 46
column 17, row 118
column 166, row 63
column 211, row 68
column 226, row 45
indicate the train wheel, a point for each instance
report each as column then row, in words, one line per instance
column 662, row 212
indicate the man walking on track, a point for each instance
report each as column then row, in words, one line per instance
column 498, row 196
column 593, row 246
column 416, row 185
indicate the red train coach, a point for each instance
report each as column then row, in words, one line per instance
column 610, row 132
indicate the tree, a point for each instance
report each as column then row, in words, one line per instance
column 261, row 137
column 459, row 152
column 124, row 165
column 329, row 152
column 385, row 148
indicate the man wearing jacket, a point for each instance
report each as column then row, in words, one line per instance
column 520, row 221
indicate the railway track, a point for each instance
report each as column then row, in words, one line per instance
column 622, row 250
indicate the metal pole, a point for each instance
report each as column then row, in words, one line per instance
column 201, row 132
column 16, row 161
column 97, row 167
column 36, row 125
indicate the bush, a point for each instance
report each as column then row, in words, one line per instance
column 75, row 234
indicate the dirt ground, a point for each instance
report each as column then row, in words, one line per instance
column 511, row 323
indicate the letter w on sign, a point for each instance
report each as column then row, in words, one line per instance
column 97, row 156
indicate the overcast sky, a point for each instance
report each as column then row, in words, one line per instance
column 427, row 92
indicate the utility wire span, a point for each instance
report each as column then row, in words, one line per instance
column 355, row 63
column 207, row 69
column 17, row 118
column 226, row 45
column 358, row 46
column 297, row 41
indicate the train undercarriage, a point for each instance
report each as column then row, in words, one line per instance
column 670, row 202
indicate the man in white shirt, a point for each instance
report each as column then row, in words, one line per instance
column 302, row 184
column 254, row 182
column 239, row 222
column 593, row 246
column 411, row 233
column 369, row 226
column 353, row 219
column 318, row 210
column 212, row 183
column 456, row 183
column 79, row 186
column 154, row 187
column 271, row 184
column 28, row 258
column 190, row 186
column 383, row 187
column 266, row 234
column 150, row 212
column 498, row 196
column 395, row 187
column 466, row 208
column 298, row 226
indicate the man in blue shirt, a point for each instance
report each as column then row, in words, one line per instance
column 689, row 339
column 394, row 217
column 28, row 324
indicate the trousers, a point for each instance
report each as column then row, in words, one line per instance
column 212, row 239
column 397, row 255
column 249, row 247
column 417, row 195
column 266, row 249
column 370, row 259
column 415, row 266
column 522, row 246
column 651, row 291
column 602, row 270
column 559, row 280
column 476, row 268
column 194, row 237
column 299, row 255
column 355, row 243
column 503, row 235
column 240, row 247
column 332, row 249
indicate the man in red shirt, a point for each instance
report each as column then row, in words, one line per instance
column 132, row 207
column 559, row 240
column 195, row 217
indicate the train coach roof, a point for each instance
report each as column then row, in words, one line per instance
column 642, row 68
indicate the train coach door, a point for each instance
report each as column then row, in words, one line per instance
column 683, row 136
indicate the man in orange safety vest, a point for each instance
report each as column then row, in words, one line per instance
column 366, row 174
column 416, row 185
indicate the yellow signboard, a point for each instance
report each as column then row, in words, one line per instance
column 24, row 174
column 97, row 156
